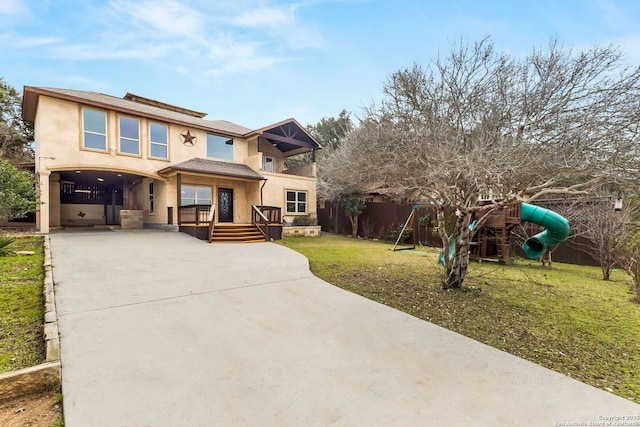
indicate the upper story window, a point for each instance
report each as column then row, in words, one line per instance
column 94, row 129
column 129, row 135
column 159, row 140
column 296, row 201
column 268, row 164
column 219, row 147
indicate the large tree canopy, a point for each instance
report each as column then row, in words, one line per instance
column 17, row 191
column 331, row 131
column 480, row 123
column 15, row 134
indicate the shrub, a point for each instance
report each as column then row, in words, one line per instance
column 304, row 220
column 395, row 232
column 5, row 242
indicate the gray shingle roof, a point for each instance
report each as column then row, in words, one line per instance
column 120, row 104
column 214, row 167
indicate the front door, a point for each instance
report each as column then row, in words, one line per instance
column 225, row 205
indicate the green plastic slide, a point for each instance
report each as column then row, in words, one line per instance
column 556, row 229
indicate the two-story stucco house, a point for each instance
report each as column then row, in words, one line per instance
column 132, row 161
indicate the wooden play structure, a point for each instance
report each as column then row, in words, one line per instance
column 493, row 239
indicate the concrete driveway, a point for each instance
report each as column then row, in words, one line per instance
column 161, row 329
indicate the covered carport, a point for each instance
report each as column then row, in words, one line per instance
column 90, row 198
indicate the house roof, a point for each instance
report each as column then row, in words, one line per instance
column 141, row 106
column 213, row 167
column 288, row 135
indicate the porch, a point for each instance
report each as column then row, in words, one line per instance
column 198, row 220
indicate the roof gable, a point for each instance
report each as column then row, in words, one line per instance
column 289, row 135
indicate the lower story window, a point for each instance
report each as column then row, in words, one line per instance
column 152, row 206
column 195, row 195
column 296, row 201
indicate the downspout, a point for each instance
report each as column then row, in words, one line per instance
column 261, row 187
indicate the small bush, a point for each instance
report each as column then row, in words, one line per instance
column 5, row 242
column 368, row 228
column 303, row 220
column 395, row 232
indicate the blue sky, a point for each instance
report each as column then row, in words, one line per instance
column 256, row 62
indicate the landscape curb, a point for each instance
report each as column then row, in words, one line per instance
column 46, row 375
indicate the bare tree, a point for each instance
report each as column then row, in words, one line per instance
column 631, row 259
column 600, row 230
column 477, row 122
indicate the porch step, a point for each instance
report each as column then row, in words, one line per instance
column 236, row 233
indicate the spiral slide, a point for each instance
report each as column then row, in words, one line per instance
column 556, row 229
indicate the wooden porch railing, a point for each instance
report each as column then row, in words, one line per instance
column 263, row 216
column 195, row 214
column 210, row 218
column 260, row 221
column 273, row 213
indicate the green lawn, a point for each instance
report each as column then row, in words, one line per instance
column 22, row 306
column 564, row 317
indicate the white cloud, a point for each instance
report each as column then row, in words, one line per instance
column 17, row 41
column 13, row 7
column 91, row 51
column 166, row 17
column 280, row 23
column 205, row 39
column 266, row 17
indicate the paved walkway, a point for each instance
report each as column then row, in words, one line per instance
column 160, row 329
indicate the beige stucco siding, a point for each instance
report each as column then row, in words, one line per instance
column 59, row 134
column 274, row 192
column 58, row 125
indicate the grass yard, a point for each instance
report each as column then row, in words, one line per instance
column 564, row 317
column 22, row 306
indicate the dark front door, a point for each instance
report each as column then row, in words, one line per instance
column 225, row 205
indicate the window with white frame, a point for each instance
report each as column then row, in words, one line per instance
column 268, row 164
column 158, row 140
column 296, row 201
column 129, row 135
column 219, row 147
column 195, row 195
column 94, row 129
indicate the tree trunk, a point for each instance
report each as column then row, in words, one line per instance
column 460, row 263
column 354, row 225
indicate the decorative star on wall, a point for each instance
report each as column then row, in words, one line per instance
column 188, row 138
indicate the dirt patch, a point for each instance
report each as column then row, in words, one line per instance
column 37, row 410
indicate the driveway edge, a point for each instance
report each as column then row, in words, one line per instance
column 46, row 375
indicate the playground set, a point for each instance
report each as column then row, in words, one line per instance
column 493, row 239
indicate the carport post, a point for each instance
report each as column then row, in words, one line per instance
column 42, row 212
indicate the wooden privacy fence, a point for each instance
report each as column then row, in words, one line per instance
column 379, row 219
